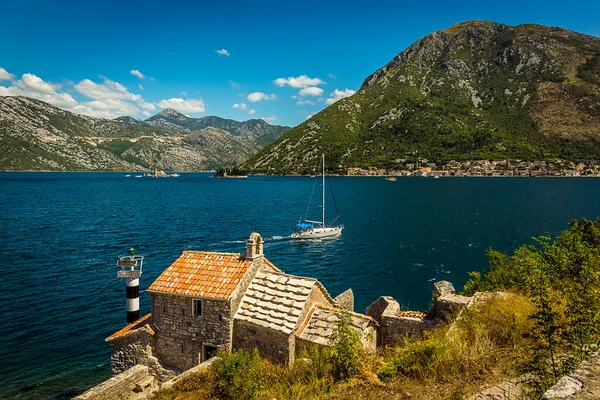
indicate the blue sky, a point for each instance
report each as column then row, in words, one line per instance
column 80, row 55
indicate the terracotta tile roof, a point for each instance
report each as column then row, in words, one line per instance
column 142, row 323
column 203, row 274
column 320, row 322
column 414, row 314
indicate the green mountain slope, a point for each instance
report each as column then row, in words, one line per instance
column 38, row 136
column 524, row 92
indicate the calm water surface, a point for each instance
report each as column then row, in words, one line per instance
column 60, row 234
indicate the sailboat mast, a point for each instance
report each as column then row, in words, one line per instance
column 323, row 190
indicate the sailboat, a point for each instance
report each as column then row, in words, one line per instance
column 308, row 229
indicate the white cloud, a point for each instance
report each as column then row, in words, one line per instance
column 305, row 102
column 33, row 86
column 4, row 75
column 140, row 86
column 258, row 96
column 108, row 90
column 332, row 76
column 183, row 106
column 338, row 95
column 184, row 94
column 223, row 52
column 137, row 73
column 271, row 118
column 146, row 106
column 234, row 84
column 146, row 113
column 301, row 81
column 37, row 84
column 311, row 91
column 244, row 107
column 106, row 108
column 309, row 116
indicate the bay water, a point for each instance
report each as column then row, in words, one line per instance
column 60, row 234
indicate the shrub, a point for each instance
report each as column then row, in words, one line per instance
column 346, row 350
column 239, row 375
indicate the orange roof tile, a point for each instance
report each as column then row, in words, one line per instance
column 203, row 274
column 142, row 323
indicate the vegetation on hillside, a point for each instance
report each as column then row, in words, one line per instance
column 542, row 319
column 35, row 135
column 527, row 92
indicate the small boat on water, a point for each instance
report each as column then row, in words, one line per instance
column 139, row 176
column 127, row 176
column 391, row 178
column 436, row 177
column 308, row 229
column 174, row 175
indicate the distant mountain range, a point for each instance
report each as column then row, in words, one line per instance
column 477, row 89
column 35, row 135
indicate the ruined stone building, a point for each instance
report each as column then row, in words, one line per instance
column 205, row 301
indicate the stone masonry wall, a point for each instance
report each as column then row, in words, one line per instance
column 181, row 335
column 271, row 344
column 345, row 300
column 130, row 350
column 121, row 387
column 392, row 327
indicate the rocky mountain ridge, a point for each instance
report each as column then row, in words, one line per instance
column 477, row 88
column 35, row 135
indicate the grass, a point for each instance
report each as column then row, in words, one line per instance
column 483, row 347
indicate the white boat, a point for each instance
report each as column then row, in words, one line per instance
column 308, row 229
column 127, row 176
column 391, row 178
column 139, row 176
column 174, row 175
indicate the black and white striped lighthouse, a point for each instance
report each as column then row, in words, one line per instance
column 131, row 270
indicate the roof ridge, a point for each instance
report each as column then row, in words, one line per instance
column 290, row 275
column 353, row 313
column 212, row 252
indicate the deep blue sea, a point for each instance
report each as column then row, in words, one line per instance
column 60, row 234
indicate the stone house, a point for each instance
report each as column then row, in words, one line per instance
column 206, row 301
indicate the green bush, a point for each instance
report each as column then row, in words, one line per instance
column 346, row 350
column 238, row 375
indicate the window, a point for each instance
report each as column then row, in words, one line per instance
column 197, row 308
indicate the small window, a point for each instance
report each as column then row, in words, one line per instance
column 164, row 309
column 182, row 350
column 197, row 308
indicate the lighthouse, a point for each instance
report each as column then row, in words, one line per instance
column 131, row 270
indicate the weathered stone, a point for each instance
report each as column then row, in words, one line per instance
column 581, row 384
column 345, row 300
column 121, row 386
column 442, row 288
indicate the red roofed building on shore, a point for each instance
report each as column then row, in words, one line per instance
column 207, row 301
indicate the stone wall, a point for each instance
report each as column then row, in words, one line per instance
column 393, row 327
column 447, row 303
column 181, row 335
column 131, row 350
column 131, row 383
column 271, row 344
column 345, row 300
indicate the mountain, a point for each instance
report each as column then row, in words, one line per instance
column 256, row 130
column 35, row 135
column 478, row 89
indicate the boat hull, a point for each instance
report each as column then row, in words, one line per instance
column 318, row 233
